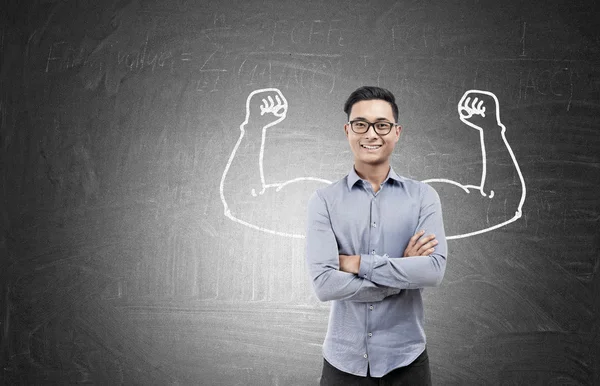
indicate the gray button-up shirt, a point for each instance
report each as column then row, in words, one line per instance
column 376, row 317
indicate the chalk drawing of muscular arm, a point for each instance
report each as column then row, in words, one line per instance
column 470, row 209
column 497, row 199
column 255, row 203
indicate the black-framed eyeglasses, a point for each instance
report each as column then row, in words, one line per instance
column 360, row 126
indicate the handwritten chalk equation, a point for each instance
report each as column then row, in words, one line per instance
column 309, row 67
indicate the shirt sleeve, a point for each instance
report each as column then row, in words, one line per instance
column 322, row 258
column 413, row 271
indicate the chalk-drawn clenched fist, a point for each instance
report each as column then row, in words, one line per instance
column 479, row 109
column 265, row 108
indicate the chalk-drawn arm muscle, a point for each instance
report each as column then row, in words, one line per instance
column 322, row 257
column 245, row 192
column 497, row 199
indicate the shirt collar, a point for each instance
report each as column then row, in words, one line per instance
column 353, row 177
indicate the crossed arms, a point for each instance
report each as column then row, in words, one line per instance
column 370, row 278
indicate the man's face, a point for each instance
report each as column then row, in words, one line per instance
column 376, row 110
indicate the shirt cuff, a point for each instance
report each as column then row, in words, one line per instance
column 367, row 262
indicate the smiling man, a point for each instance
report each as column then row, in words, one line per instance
column 374, row 240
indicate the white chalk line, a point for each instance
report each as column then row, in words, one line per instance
column 479, row 110
column 266, row 108
column 274, row 108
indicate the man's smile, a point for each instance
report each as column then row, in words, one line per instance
column 370, row 147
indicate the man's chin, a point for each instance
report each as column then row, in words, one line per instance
column 371, row 161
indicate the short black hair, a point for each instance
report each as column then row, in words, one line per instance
column 366, row 93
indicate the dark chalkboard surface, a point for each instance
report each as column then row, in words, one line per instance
column 157, row 157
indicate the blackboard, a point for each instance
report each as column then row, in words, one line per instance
column 145, row 240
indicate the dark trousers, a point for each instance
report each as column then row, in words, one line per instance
column 415, row 374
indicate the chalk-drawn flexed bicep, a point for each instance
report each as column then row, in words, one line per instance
column 497, row 188
column 250, row 200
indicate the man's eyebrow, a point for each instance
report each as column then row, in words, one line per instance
column 376, row 119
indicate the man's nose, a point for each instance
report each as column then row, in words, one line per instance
column 371, row 132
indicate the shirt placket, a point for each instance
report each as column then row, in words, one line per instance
column 374, row 245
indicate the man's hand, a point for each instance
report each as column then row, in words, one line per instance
column 349, row 264
column 420, row 245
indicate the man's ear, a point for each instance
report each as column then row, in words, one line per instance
column 398, row 131
column 346, row 129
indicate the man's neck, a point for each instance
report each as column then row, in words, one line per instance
column 375, row 174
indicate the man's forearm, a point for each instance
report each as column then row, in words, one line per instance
column 417, row 272
column 338, row 285
column 406, row 272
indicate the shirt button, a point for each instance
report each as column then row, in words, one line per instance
column 370, row 334
column 374, row 224
column 373, row 252
column 370, row 307
column 365, row 355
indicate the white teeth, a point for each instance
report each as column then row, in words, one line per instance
column 371, row 147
